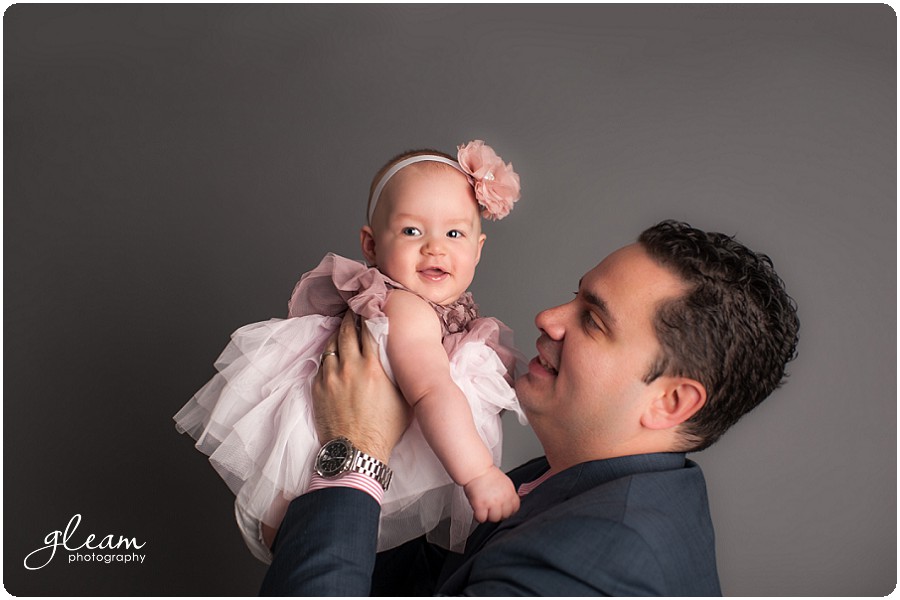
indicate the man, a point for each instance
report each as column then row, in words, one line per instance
column 667, row 343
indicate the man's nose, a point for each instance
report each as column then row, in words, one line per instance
column 553, row 321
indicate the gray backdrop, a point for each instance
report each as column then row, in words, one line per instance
column 170, row 171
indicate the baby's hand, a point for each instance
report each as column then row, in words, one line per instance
column 492, row 496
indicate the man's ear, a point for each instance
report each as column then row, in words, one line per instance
column 367, row 242
column 678, row 400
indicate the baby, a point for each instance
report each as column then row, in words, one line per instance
column 423, row 241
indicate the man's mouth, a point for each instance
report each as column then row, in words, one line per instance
column 547, row 365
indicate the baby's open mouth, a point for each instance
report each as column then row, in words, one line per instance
column 435, row 273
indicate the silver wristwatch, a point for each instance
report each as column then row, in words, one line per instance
column 340, row 456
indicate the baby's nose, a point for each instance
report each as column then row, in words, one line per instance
column 434, row 246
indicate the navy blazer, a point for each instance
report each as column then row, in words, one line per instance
column 633, row 525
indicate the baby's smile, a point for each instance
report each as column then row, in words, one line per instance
column 434, row 274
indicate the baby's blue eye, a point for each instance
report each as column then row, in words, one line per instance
column 454, row 233
column 410, row 231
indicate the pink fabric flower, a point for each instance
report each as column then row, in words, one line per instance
column 496, row 184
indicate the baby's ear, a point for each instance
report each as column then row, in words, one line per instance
column 367, row 242
column 480, row 246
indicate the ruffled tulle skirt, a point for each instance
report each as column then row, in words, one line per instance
column 255, row 421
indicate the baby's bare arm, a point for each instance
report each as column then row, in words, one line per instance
column 422, row 370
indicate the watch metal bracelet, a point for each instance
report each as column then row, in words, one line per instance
column 372, row 467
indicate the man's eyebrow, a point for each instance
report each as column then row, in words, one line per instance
column 598, row 303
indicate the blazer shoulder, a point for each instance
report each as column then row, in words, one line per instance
column 652, row 533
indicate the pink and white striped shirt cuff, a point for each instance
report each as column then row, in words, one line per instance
column 357, row 481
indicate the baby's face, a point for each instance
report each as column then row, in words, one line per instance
column 426, row 232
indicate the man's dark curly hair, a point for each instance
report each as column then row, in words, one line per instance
column 734, row 331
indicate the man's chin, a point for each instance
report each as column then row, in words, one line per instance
column 525, row 389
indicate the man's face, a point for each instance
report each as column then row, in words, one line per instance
column 593, row 352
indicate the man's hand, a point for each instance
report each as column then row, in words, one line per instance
column 353, row 396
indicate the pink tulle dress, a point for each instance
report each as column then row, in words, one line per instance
column 254, row 418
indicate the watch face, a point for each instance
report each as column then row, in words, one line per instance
column 332, row 458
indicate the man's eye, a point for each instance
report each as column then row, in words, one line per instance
column 454, row 233
column 589, row 321
column 411, row 231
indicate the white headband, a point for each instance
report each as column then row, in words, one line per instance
column 373, row 201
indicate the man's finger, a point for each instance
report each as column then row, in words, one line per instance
column 330, row 346
column 369, row 346
column 348, row 341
